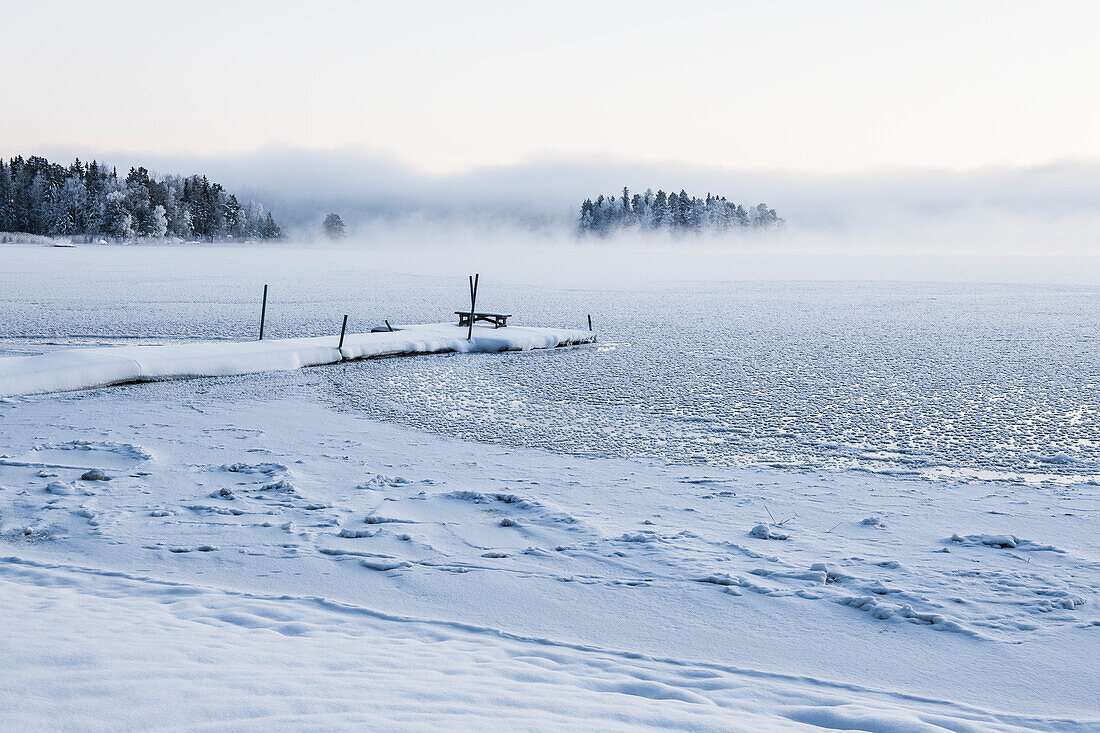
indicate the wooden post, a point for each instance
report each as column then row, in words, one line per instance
column 473, row 305
column 263, row 313
column 589, row 321
column 342, row 329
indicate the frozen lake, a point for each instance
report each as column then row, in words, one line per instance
column 973, row 381
column 939, row 380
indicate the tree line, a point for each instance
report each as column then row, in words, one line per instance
column 40, row 197
column 671, row 212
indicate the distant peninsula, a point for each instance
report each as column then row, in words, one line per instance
column 42, row 198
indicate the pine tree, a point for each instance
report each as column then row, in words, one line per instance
column 698, row 214
column 763, row 217
column 40, row 208
column 683, row 210
column 7, row 199
column 137, row 201
column 117, row 221
column 660, row 210
column 586, row 215
column 270, row 229
column 672, row 220
column 232, row 213
column 333, row 227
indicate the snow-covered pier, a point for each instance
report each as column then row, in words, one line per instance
column 74, row 369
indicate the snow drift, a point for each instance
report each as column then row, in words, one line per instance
column 74, row 369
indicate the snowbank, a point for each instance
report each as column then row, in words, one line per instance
column 74, row 369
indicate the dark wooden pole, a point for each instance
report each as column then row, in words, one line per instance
column 342, row 329
column 589, row 321
column 473, row 305
column 263, row 313
column 388, row 326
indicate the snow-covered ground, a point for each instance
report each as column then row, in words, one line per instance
column 234, row 552
column 267, row 559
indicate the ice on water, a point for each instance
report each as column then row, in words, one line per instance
column 937, row 381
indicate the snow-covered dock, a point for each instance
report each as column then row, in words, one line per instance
column 74, row 369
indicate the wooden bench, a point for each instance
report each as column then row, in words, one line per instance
column 499, row 320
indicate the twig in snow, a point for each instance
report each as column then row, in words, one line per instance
column 772, row 516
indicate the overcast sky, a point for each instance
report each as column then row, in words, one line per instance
column 442, row 87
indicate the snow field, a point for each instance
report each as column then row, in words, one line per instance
column 193, row 656
column 926, row 616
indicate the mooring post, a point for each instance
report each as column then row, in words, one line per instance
column 263, row 313
column 589, row 321
column 342, row 329
column 473, row 305
column 388, row 326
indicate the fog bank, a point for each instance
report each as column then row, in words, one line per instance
column 1043, row 210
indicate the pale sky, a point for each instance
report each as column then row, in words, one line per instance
column 824, row 87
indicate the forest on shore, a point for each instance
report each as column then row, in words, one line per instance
column 671, row 212
column 44, row 198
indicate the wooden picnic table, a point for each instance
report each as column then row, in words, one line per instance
column 499, row 320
